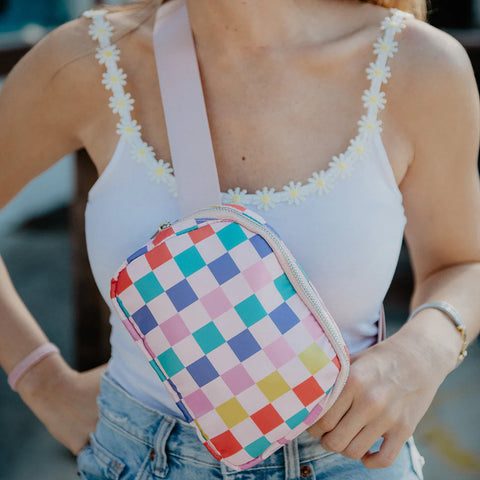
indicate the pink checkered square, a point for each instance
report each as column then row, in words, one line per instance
column 279, row 352
column 198, row 403
column 257, row 275
column 216, row 302
column 174, row 329
column 238, row 379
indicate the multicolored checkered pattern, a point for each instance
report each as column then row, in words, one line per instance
column 210, row 306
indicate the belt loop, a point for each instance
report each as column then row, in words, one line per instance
column 159, row 455
column 292, row 460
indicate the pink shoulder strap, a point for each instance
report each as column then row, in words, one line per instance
column 186, row 118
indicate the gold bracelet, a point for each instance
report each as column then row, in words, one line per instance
column 454, row 316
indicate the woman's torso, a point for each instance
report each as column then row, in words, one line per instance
column 270, row 125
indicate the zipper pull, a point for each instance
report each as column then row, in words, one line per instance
column 164, row 225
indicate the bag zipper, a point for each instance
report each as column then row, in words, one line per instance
column 306, row 291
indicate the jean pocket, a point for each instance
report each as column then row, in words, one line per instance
column 416, row 458
column 95, row 462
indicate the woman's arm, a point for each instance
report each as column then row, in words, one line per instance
column 44, row 110
column 392, row 384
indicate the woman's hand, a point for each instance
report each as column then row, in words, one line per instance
column 63, row 399
column 389, row 389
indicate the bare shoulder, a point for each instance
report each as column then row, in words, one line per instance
column 434, row 75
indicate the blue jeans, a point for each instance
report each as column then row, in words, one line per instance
column 134, row 442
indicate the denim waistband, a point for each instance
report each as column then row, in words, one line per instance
column 163, row 433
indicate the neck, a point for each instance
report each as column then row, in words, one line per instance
column 235, row 25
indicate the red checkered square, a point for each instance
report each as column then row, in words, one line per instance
column 162, row 235
column 123, row 282
column 201, row 233
column 308, row 391
column 226, row 444
column 267, row 419
column 158, row 256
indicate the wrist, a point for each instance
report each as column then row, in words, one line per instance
column 434, row 339
column 44, row 378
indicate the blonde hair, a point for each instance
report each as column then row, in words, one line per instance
column 419, row 8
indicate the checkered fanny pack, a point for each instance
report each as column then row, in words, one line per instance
column 234, row 329
column 217, row 303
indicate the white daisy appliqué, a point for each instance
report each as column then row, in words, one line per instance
column 160, row 171
column 342, row 166
column 101, row 30
column 114, row 77
column 377, row 71
column 128, row 127
column 373, row 98
column 370, row 125
column 294, row 193
column 322, row 182
column 265, row 198
column 236, row 195
column 385, row 45
column 110, row 53
column 121, row 103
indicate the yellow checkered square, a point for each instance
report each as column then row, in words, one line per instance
column 314, row 358
column 273, row 386
column 232, row 412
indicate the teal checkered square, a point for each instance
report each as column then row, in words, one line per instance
column 256, row 448
column 157, row 370
column 284, row 286
column 250, row 310
column 232, row 235
column 149, row 287
column 297, row 419
column 209, row 337
column 189, row 261
column 170, row 362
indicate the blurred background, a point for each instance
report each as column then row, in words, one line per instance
column 42, row 229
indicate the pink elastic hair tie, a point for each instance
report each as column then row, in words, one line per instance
column 30, row 360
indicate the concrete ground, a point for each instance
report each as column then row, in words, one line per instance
column 38, row 259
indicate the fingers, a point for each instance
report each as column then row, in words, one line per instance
column 389, row 451
column 330, row 420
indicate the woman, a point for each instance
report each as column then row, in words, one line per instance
column 263, row 64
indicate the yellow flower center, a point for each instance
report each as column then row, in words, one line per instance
column 393, row 24
column 369, row 126
column 321, row 182
column 114, row 79
column 107, row 54
column 385, row 46
column 373, row 99
column 236, row 198
column 142, row 152
column 129, row 130
column 265, row 198
column 121, row 103
column 294, row 193
column 342, row 166
column 378, row 72
column 160, row 171
column 359, row 148
column 100, row 31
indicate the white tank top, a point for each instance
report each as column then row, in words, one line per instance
column 344, row 224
